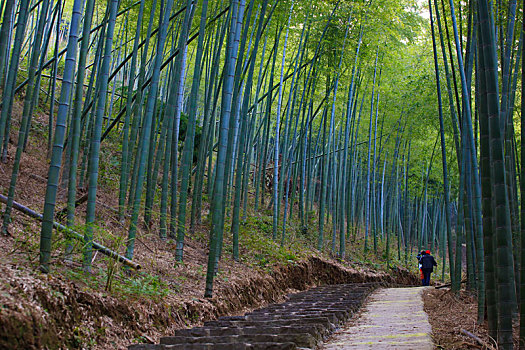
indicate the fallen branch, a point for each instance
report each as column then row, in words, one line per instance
column 37, row 177
column 107, row 207
column 73, row 234
column 62, row 213
column 478, row 339
column 447, row 285
column 145, row 245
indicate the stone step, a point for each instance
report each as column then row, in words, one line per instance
column 307, row 320
column 328, row 296
column 301, row 339
column 282, row 308
column 324, row 296
column 340, row 289
column 302, row 320
column 295, row 308
column 333, row 317
column 341, row 286
column 315, row 330
column 216, row 346
column 330, row 288
column 347, row 301
column 306, row 310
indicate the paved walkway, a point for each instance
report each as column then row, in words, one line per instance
column 393, row 318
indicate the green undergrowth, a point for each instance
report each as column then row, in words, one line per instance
column 126, row 285
column 260, row 250
column 108, row 275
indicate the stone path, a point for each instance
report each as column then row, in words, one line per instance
column 393, row 318
column 303, row 321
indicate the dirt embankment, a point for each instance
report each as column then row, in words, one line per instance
column 47, row 311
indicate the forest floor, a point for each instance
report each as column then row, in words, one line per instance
column 450, row 314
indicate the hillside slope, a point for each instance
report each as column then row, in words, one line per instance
column 113, row 307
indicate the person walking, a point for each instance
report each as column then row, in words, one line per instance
column 427, row 267
column 421, row 276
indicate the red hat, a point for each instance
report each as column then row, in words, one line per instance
column 428, row 251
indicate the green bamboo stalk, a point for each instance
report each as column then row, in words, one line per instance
column 125, row 132
column 94, row 151
column 25, row 116
column 52, row 85
column 187, row 152
column 240, row 37
column 58, row 144
column 153, row 169
column 177, row 97
column 8, row 93
column 368, row 212
column 443, row 147
column 244, row 126
column 207, row 131
column 255, row 138
column 76, row 114
column 490, row 278
column 504, row 259
column 522, row 190
column 322, row 195
column 218, row 186
column 276, row 154
column 266, row 132
column 4, row 37
column 144, row 144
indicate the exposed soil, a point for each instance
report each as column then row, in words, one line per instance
column 449, row 314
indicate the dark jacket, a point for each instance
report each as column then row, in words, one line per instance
column 428, row 262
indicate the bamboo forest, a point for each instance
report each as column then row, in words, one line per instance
column 168, row 166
